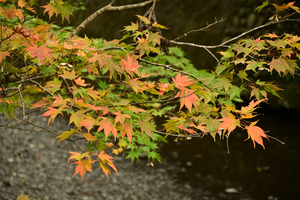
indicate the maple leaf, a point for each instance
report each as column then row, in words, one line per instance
column 3, row 55
column 64, row 10
column 69, row 75
column 106, row 159
column 191, row 131
column 108, row 127
column 131, row 65
column 41, row 53
column 54, row 85
column 53, row 113
column 89, row 137
column 279, row 65
column 65, row 135
column 256, row 134
column 145, row 127
column 22, row 3
column 250, row 108
column 83, row 165
column 41, row 103
column 136, row 110
column 120, row 117
column 80, row 82
column 77, row 117
column 84, row 162
column 127, row 129
column 88, row 122
column 132, row 28
column 188, row 98
column 182, row 81
column 229, row 123
column 50, row 9
column 164, row 87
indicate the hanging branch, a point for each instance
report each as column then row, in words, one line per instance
column 107, row 8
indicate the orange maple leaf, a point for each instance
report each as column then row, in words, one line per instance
column 83, row 162
column 106, row 159
column 41, row 53
column 83, row 165
column 108, row 127
column 41, row 103
column 256, row 134
column 88, row 122
column 182, row 81
column 127, row 129
column 188, row 98
column 131, row 65
column 120, row 117
column 80, row 82
column 250, row 108
column 229, row 123
column 89, row 137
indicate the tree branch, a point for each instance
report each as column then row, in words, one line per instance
column 107, row 8
column 224, row 44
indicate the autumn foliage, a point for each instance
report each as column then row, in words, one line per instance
column 126, row 95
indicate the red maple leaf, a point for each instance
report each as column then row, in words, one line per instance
column 182, row 81
column 256, row 134
column 41, row 53
column 188, row 98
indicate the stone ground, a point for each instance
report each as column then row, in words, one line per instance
column 32, row 164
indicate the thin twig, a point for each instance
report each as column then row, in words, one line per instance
column 274, row 138
column 22, row 102
column 201, row 29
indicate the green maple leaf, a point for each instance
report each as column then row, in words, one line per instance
column 65, row 135
column 53, row 86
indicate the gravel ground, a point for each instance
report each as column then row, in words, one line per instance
column 32, row 164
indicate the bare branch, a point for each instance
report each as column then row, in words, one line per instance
column 107, row 8
column 201, row 29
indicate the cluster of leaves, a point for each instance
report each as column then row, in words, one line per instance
column 119, row 98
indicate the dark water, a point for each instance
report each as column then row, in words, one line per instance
column 261, row 173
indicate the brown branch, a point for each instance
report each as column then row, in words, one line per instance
column 224, row 44
column 107, row 8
